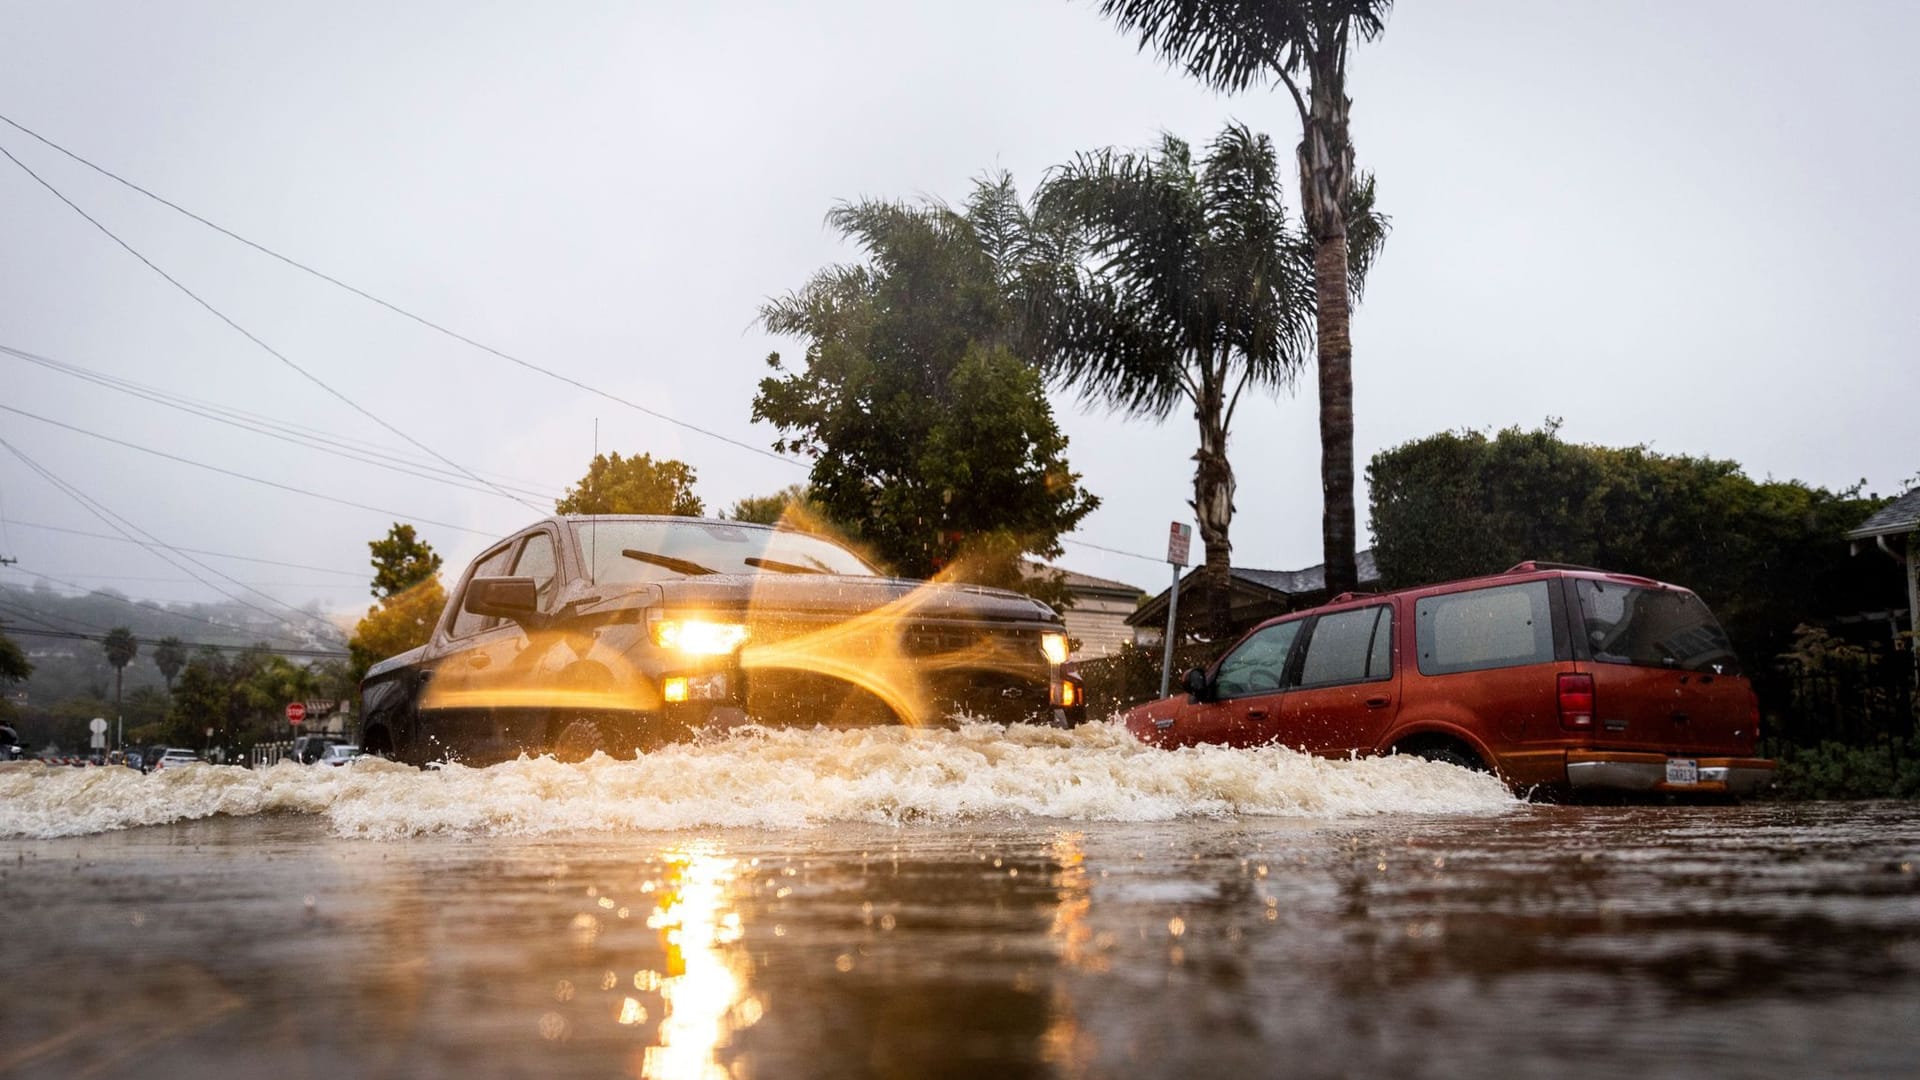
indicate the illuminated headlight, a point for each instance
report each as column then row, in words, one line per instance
column 1055, row 646
column 699, row 637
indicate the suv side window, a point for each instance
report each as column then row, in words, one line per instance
column 536, row 562
column 466, row 623
column 1349, row 647
column 1501, row 626
column 1259, row 665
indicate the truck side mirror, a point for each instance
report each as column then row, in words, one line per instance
column 1195, row 683
column 516, row 598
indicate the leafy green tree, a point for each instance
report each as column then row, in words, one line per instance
column 120, row 648
column 203, row 698
column 14, row 668
column 771, row 509
column 1199, row 291
column 634, row 485
column 401, row 561
column 145, row 708
column 406, row 580
column 170, row 655
column 1302, row 44
column 1767, row 556
column 932, row 438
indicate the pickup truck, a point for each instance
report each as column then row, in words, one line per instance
column 617, row 634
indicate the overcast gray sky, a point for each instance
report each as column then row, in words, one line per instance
column 1682, row 223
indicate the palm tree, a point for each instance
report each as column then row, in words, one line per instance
column 1231, row 45
column 1195, row 292
column 170, row 655
column 120, row 648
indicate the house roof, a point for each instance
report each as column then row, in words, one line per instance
column 1085, row 584
column 1312, row 579
column 1902, row 515
column 1279, row 586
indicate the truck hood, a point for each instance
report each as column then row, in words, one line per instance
column 815, row 595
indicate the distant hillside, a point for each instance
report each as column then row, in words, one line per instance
column 65, row 667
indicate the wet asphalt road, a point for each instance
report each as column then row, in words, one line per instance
column 1546, row 941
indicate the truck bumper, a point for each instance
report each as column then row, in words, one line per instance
column 1595, row 770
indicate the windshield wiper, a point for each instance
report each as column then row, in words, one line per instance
column 678, row 566
column 779, row 567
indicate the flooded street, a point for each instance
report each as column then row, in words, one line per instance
column 908, row 904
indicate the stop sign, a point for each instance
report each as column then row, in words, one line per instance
column 296, row 712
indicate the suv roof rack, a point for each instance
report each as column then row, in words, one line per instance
column 1532, row 565
column 1350, row 595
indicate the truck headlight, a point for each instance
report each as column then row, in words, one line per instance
column 699, row 637
column 1054, row 644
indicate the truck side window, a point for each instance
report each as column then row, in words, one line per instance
column 466, row 623
column 536, row 562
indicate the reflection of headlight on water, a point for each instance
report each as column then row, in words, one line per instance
column 1054, row 644
column 699, row 637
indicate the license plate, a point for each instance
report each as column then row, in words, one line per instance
column 1683, row 771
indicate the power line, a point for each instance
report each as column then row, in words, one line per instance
column 75, row 635
column 149, row 606
column 183, row 581
column 238, row 475
column 284, row 431
column 1112, row 551
column 123, row 525
column 196, row 551
column 26, row 613
column 422, row 320
column 249, row 335
column 389, row 305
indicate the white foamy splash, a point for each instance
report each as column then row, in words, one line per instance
column 763, row 779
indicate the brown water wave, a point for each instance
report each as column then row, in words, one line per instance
column 764, row 778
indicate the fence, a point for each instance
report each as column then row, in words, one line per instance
column 1868, row 701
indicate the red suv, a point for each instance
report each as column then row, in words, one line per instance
column 1549, row 675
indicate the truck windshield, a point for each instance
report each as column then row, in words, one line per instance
column 662, row 550
column 1670, row 628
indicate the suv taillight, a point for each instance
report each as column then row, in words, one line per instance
column 1576, row 702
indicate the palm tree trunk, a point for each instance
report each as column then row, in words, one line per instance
column 1336, row 413
column 1213, row 507
column 1326, row 173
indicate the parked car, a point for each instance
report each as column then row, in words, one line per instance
column 617, row 633
column 150, row 757
column 339, row 754
column 174, row 757
column 1548, row 675
column 308, row 749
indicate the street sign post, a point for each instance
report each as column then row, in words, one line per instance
column 1179, row 545
column 98, row 726
column 296, row 713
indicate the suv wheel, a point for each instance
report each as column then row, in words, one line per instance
column 1447, row 754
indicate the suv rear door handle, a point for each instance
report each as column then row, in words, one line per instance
column 479, row 659
column 1256, row 714
column 1379, row 702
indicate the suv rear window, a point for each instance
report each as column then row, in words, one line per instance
column 1668, row 628
column 1502, row 626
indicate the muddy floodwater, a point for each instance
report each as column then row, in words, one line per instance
column 979, row 902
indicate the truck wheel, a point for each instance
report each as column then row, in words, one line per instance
column 579, row 739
